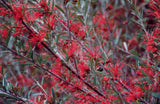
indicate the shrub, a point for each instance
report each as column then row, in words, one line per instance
column 79, row 51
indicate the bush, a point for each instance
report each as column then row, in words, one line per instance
column 80, row 51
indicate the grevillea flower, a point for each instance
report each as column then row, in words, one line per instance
column 4, row 33
column 151, row 46
column 19, row 30
column 19, row 11
column 153, row 5
column 50, row 22
column 115, row 69
column 100, row 19
column 150, row 41
column 137, row 93
column 72, row 48
column 78, row 29
column 84, row 69
column 31, row 17
column 4, row 12
column 36, row 38
column 94, row 52
column 43, row 4
column 57, row 67
column 23, row 80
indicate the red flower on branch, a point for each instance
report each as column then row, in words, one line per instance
column 4, row 33
column 116, row 69
column 19, row 11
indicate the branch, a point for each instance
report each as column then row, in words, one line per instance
column 14, row 96
column 64, row 63
column 44, row 69
column 73, row 36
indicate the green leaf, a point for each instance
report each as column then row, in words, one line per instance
column 134, row 52
column 52, row 4
column 59, row 8
column 42, row 81
column 8, row 38
column 28, row 94
column 10, row 41
column 94, row 79
column 21, row 91
column 53, row 94
column 81, row 20
column 40, row 59
column 127, row 36
column 137, row 102
column 142, row 64
column 148, row 80
column 143, row 73
column 31, row 55
column 37, row 94
column 134, row 57
column 4, row 82
column 156, row 95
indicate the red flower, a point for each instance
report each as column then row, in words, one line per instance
column 116, row 69
column 43, row 4
column 137, row 93
column 75, row 27
column 24, row 81
column 18, row 31
column 79, row 29
column 94, row 52
column 151, row 46
column 31, row 17
column 72, row 48
column 4, row 12
column 50, row 23
column 84, row 69
column 37, row 38
column 4, row 33
column 19, row 11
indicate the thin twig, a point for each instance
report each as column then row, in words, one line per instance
column 87, row 13
column 75, row 63
column 100, row 44
column 68, row 25
column 14, row 96
column 73, row 36
column 119, row 94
